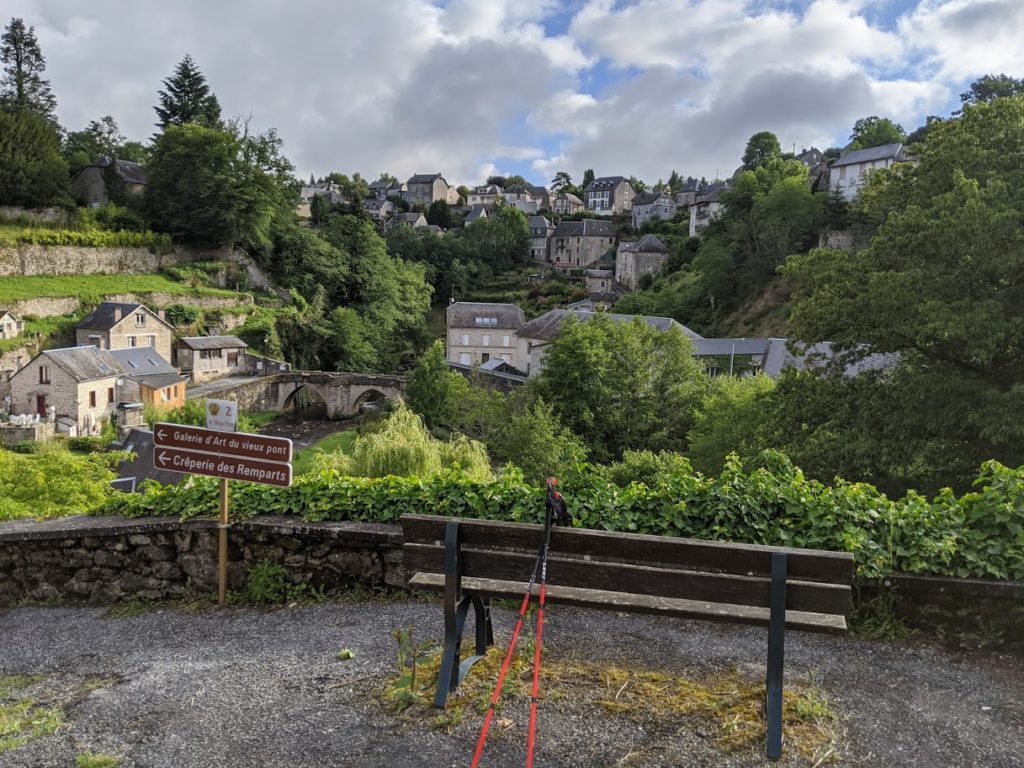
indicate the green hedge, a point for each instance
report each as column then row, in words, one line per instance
column 977, row 535
column 89, row 238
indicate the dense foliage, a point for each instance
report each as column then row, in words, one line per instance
column 979, row 534
column 53, row 482
column 939, row 289
column 32, row 171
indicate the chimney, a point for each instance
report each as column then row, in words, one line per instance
column 117, row 313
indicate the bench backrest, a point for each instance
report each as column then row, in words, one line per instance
column 818, row 581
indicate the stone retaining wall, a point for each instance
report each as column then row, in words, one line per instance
column 27, row 259
column 104, row 560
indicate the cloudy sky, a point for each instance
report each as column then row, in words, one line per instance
column 471, row 87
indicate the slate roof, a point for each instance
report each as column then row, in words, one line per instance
column 407, row 218
column 142, row 360
column 599, row 273
column 570, row 197
column 727, row 346
column 646, row 244
column 605, row 182
column 103, row 318
column 380, row 184
column 477, row 212
column 538, row 222
column 548, row 326
column 585, row 228
column 690, row 185
column 538, row 191
column 425, row 178
column 132, row 173
column 500, row 366
column 646, row 198
column 463, row 314
column 884, row 152
column 7, row 312
column 212, row 342
column 84, row 363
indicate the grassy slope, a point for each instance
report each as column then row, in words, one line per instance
column 339, row 442
column 764, row 315
column 19, row 288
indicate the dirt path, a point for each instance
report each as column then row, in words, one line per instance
column 264, row 688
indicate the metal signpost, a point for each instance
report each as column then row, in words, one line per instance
column 226, row 455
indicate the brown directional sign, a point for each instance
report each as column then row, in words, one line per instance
column 238, row 444
column 225, row 467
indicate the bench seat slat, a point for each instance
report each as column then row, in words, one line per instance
column 632, row 578
column 727, row 557
column 632, row 603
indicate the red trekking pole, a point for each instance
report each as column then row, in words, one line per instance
column 555, row 508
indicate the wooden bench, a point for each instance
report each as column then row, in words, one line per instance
column 471, row 561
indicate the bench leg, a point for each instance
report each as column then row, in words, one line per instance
column 776, row 648
column 456, row 608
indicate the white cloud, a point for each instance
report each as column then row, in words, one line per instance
column 467, row 87
column 963, row 39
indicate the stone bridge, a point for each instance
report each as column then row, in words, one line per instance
column 342, row 393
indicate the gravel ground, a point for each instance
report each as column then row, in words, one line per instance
column 245, row 687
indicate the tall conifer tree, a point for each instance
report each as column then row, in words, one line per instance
column 188, row 98
column 23, row 86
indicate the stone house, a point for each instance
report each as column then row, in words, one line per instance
column 116, row 325
column 580, row 243
column 540, row 235
column 540, row 196
column 609, row 195
column 378, row 209
column 486, row 195
column 410, row 219
column 810, row 157
column 211, row 357
column 652, row 205
column 647, row 256
column 599, row 282
column 10, row 326
column 98, row 182
column 850, row 172
column 566, row 204
column 687, row 194
column 536, row 336
column 78, row 386
column 705, row 207
column 149, row 379
column 479, row 332
column 426, row 188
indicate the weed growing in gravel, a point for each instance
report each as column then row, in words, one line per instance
column 728, row 703
column 413, row 681
column 99, row 760
column 876, row 618
column 268, row 584
column 23, row 719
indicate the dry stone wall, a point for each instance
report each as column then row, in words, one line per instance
column 27, row 259
column 104, row 560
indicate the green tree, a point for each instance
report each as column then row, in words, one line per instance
column 211, row 187
column 319, row 211
column 561, row 179
column 761, row 147
column 987, row 89
column 622, row 386
column 32, row 172
column 875, row 131
column 588, row 176
column 23, row 86
column 187, row 98
column 501, row 239
column 675, row 181
column 729, row 421
column 435, row 392
column 939, row 287
column 440, row 213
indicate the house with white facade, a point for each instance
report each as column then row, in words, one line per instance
column 652, row 205
column 10, row 326
column 486, row 195
column 482, row 331
column 850, row 172
column 705, row 207
column 609, row 195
